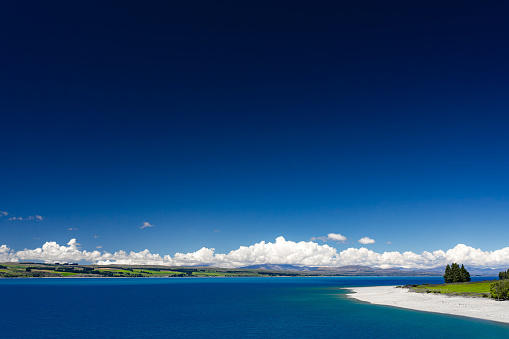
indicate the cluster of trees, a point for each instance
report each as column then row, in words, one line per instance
column 500, row 290
column 503, row 275
column 454, row 273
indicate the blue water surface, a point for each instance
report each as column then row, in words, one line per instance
column 302, row 307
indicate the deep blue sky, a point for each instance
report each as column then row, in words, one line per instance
column 227, row 123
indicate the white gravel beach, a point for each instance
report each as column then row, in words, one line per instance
column 481, row 308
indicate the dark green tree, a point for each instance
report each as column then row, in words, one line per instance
column 465, row 275
column 456, row 274
column 448, row 275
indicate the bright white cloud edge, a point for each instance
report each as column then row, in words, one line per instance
column 281, row 251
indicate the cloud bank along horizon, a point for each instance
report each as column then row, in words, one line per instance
column 282, row 251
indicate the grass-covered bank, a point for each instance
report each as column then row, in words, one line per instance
column 468, row 289
column 458, row 282
column 496, row 289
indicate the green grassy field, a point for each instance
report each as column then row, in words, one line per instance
column 114, row 270
column 67, row 274
column 209, row 274
column 156, row 273
column 471, row 288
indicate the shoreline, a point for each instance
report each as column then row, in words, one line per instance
column 479, row 308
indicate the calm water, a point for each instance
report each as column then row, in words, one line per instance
column 218, row 308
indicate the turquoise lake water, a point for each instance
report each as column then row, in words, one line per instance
column 313, row 307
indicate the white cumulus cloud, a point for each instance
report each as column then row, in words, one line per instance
column 14, row 218
column 134, row 258
column 7, row 255
column 3, row 214
column 336, row 237
column 281, row 251
column 52, row 252
column 331, row 237
column 366, row 240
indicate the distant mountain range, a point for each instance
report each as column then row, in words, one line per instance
column 358, row 270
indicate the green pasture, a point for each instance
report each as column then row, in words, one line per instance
column 155, row 273
column 208, row 274
column 115, row 270
column 459, row 288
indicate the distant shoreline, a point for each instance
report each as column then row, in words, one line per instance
column 479, row 308
column 82, row 276
column 33, row 269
